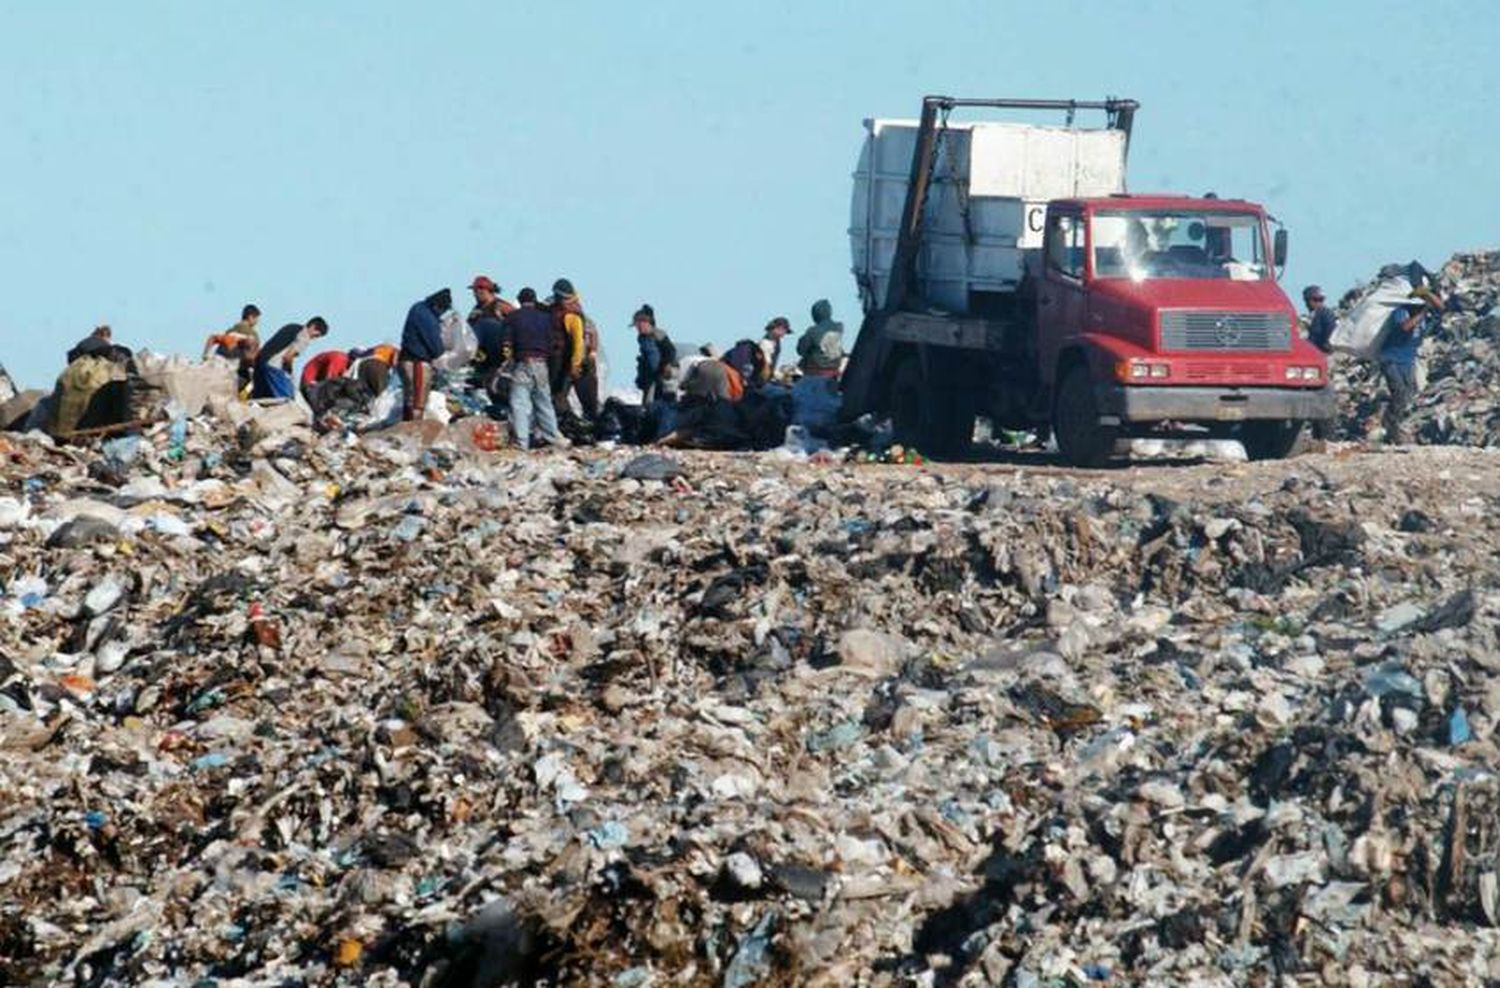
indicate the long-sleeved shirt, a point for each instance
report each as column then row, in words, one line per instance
column 422, row 336
column 651, row 362
column 1320, row 328
column 528, row 334
column 285, row 344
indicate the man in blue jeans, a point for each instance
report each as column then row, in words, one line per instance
column 527, row 347
column 1398, row 357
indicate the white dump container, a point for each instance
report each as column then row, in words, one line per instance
column 986, row 205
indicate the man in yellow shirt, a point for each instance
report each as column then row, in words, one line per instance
column 577, row 340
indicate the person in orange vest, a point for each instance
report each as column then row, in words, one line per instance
column 713, row 380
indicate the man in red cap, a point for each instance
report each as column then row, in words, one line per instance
column 487, row 320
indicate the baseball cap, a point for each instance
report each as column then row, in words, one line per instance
column 484, row 281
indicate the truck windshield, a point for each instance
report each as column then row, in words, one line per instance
column 1150, row 245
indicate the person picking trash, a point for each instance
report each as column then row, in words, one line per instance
column 274, row 362
column 1399, row 354
column 421, row 344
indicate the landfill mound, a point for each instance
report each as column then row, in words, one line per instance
column 1460, row 402
column 285, row 709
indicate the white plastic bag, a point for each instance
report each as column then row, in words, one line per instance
column 385, row 410
column 1362, row 330
column 459, row 343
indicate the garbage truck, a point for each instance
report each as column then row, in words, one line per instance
column 1005, row 271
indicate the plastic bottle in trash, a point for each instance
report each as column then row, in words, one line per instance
column 177, row 439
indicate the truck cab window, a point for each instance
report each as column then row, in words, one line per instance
column 1065, row 245
column 1150, row 245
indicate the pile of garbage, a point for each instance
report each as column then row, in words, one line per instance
column 292, row 708
column 1460, row 401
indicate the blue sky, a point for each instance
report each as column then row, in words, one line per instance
column 164, row 163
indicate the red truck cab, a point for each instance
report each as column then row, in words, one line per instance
column 1158, row 308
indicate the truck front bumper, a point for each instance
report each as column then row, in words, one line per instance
column 1120, row 404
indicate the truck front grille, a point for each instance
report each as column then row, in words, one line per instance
column 1227, row 373
column 1236, row 331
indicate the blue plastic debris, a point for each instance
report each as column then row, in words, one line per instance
column 410, row 527
column 752, row 958
column 1390, row 677
column 177, row 439
column 609, row 835
column 207, row 699
column 840, row 736
column 1458, row 727
column 635, row 977
column 214, row 759
column 95, row 819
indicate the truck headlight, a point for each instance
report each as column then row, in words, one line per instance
column 1127, row 371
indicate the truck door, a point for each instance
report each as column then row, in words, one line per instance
column 1061, row 300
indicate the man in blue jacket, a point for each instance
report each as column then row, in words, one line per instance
column 527, row 349
column 421, row 344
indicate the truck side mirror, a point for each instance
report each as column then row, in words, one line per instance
column 1278, row 248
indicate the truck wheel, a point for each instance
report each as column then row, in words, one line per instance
column 951, row 426
column 906, row 403
column 937, row 422
column 1082, row 441
column 1273, row 439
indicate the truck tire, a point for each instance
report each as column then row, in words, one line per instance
column 937, row 422
column 906, row 403
column 1273, row 439
column 1081, row 440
